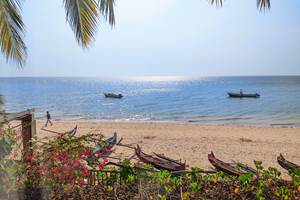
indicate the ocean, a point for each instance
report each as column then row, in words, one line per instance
column 173, row 99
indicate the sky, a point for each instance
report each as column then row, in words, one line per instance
column 165, row 38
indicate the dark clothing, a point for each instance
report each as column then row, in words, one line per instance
column 48, row 119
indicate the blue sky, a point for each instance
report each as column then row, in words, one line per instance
column 165, row 37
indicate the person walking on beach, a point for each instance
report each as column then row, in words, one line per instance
column 48, row 119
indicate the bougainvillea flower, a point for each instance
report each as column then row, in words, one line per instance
column 76, row 164
column 101, row 165
column 105, row 160
column 80, row 182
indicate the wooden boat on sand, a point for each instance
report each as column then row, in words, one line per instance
column 112, row 140
column 105, row 147
column 243, row 95
column 222, row 166
column 163, row 163
column 72, row 132
column 167, row 159
column 113, row 95
column 286, row 164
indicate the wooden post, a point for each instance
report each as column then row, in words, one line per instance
column 27, row 132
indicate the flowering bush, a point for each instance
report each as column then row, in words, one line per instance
column 64, row 160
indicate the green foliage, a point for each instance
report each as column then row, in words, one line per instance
column 283, row 193
column 162, row 197
column 6, row 142
column 163, row 176
column 258, row 165
column 261, row 188
column 246, row 179
column 295, row 175
column 1, row 102
column 273, row 172
column 127, row 173
column 9, row 169
column 194, row 186
column 176, row 181
column 12, row 31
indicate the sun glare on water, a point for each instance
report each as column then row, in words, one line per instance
column 158, row 78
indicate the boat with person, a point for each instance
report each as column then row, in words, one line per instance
column 162, row 162
column 243, row 95
column 288, row 165
column 113, row 95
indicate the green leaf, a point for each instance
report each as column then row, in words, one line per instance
column 107, row 10
column 263, row 4
column 12, row 31
column 82, row 16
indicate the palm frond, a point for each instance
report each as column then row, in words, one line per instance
column 107, row 10
column 82, row 16
column 1, row 101
column 263, row 4
column 217, row 3
column 12, row 31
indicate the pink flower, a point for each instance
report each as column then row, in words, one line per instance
column 62, row 157
column 105, row 160
column 84, row 154
column 76, row 164
column 86, row 171
column 101, row 165
column 80, row 182
column 106, row 150
column 97, row 155
column 71, row 180
column 30, row 157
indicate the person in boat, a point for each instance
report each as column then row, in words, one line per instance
column 48, row 119
column 241, row 92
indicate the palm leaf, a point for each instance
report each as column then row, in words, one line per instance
column 82, row 16
column 263, row 4
column 1, row 100
column 12, row 31
column 218, row 3
column 107, row 10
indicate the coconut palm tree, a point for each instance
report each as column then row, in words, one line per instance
column 82, row 15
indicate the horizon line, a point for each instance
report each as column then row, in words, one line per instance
column 152, row 76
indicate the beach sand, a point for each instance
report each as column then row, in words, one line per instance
column 192, row 142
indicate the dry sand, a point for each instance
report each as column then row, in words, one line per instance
column 192, row 142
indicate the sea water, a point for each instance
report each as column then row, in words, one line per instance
column 176, row 99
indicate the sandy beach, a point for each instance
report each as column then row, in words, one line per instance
column 192, row 142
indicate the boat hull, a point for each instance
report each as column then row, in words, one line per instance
column 159, row 163
column 286, row 164
column 112, row 95
column 222, row 166
column 238, row 95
